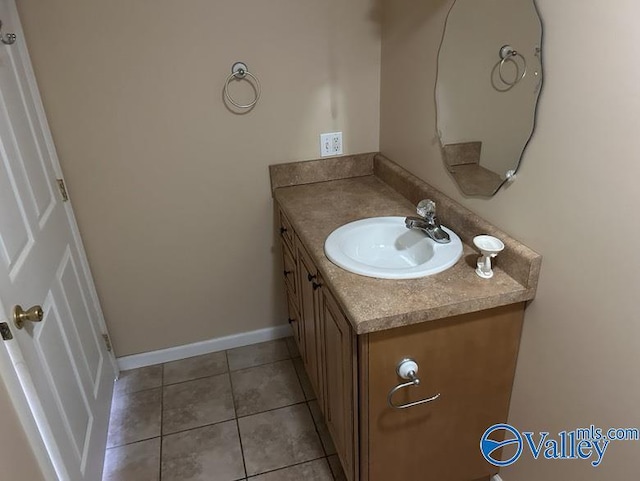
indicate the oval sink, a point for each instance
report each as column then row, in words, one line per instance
column 383, row 247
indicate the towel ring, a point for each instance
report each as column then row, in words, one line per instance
column 507, row 53
column 239, row 71
column 408, row 369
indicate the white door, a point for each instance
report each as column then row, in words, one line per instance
column 62, row 361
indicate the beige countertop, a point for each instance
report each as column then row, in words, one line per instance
column 315, row 209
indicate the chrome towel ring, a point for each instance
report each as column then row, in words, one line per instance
column 239, row 71
column 508, row 54
column 408, row 369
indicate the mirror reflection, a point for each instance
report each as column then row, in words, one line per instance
column 489, row 78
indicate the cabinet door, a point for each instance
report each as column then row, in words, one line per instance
column 470, row 361
column 340, row 375
column 309, row 314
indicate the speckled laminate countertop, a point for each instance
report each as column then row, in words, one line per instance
column 315, row 209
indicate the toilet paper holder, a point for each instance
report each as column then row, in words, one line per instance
column 408, row 369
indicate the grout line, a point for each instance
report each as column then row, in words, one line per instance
column 194, row 379
column 333, row 475
column 233, row 398
column 234, row 418
column 315, row 425
column 289, row 358
column 263, row 364
column 244, row 462
column 300, row 379
column 198, row 427
column 273, row 409
column 127, row 393
column 291, row 466
column 133, row 442
column 235, row 413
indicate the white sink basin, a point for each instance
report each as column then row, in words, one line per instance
column 383, row 247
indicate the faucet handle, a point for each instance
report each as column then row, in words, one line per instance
column 426, row 208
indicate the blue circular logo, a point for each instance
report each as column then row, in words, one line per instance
column 489, row 446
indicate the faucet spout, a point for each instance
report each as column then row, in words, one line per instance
column 428, row 222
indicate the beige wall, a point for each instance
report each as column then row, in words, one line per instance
column 17, row 461
column 170, row 189
column 575, row 201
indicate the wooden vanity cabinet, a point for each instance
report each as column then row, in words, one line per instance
column 469, row 360
column 327, row 346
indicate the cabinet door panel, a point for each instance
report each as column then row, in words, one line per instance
column 470, row 360
column 309, row 315
column 290, row 273
column 296, row 324
column 339, row 348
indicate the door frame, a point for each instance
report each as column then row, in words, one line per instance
column 13, row 370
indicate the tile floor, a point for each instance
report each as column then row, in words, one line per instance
column 246, row 413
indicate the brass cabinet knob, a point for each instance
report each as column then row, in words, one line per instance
column 20, row 316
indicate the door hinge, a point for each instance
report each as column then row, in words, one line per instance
column 107, row 342
column 63, row 190
column 5, row 331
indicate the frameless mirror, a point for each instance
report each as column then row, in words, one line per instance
column 489, row 78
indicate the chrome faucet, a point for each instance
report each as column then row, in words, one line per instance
column 428, row 222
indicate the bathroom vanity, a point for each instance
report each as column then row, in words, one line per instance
column 353, row 331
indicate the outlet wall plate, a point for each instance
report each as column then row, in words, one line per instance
column 331, row 144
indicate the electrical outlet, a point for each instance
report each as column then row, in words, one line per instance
column 331, row 144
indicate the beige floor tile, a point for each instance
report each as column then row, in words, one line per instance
column 257, row 354
column 309, row 393
column 325, row 437
column 279, row 438
column 133, row 462
column 293, row 347
column 265, row 387
column 139, row 379
column 134, row 417
column 211, row 453
column 317, row 470
column 195, row 367
column 336, row 468
column 197, row 403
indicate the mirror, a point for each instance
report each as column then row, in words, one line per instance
column 489, row 78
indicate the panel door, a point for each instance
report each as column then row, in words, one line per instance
column 42, row 262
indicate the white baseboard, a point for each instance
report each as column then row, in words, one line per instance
column 204, row 347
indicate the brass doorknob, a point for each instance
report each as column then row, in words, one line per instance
column 35, row 314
